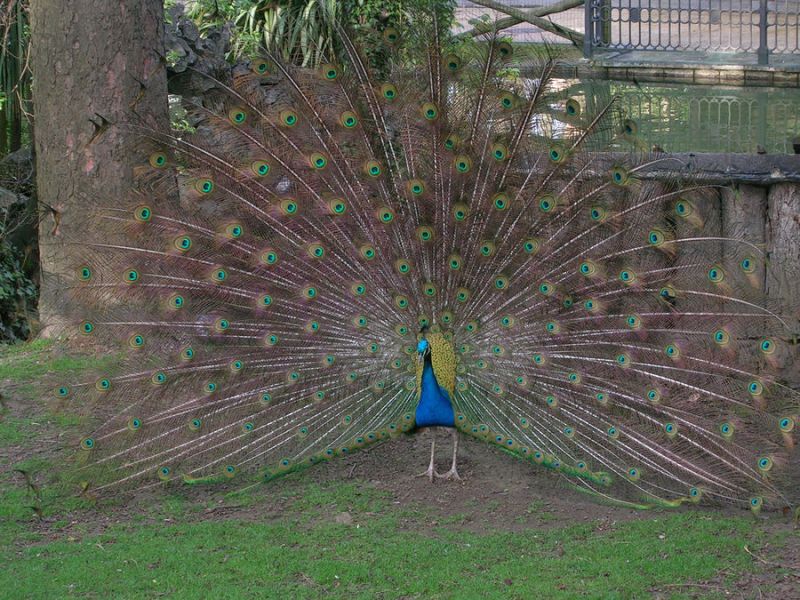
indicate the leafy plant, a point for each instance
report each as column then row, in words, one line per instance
column 304, row 31
column 18, row 294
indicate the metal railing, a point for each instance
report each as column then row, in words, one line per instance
column 761, row 27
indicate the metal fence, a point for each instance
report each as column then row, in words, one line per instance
column 762, row 27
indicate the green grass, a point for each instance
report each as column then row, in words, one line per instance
column 25, row 363
column 282, row 539
column 305, row 555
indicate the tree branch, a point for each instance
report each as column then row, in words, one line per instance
column 533, row 16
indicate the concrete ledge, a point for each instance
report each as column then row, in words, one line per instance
column 692, row 67
column 721, row 169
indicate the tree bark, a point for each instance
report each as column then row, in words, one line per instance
column 98, row 67
column 783, row 268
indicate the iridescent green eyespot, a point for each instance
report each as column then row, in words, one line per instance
column 259, row 168
column 755, row 387
column 629, row 128
column 452, row 62
column 748, row 264
column 429, row 111
column 531, row 246
column 507, row 101
column 683, row 208
column 500, row 201
column 385, row 215
column 425, row 233
column 136, row 341
column 289, row 207
column 318, row 161
column 329, row 71
column 237, row 116
column 716, row 274
column 572, row 107
column 547, row 203
column 402, row 265
column 337, row 206
column 260, row 66
column 388, row 91
column 416, row 186
column 721, row 337
column 288, row 118
column 84, row 273
column 205, row 186
column 391, row 35
column 462, row 163
column 183, row 243
column 143, row 214
column 158, row 160
column 367, row 251
column 619, row 176
column 348, row 119
column 315, row 250
column 452, row 142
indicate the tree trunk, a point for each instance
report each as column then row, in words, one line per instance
column 783, row 269
column 98, row 66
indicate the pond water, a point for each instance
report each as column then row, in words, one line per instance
column 701, row 118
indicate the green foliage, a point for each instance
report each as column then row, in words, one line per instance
column 18, row 294
column 14, row 75
column 304, row 31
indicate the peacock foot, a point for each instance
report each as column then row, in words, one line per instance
column 451, row 474
column 430, row 473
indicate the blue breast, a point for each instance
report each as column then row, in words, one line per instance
column 434, row 408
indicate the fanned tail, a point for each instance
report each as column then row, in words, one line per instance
column 266, row 284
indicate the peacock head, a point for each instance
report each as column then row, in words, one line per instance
column 423, row 346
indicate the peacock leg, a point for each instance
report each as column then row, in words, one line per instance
column 431, row 471
column 452, row 473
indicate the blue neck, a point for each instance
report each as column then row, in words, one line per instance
column 434, row 408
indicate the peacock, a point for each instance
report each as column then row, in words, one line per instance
column 326, row 259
